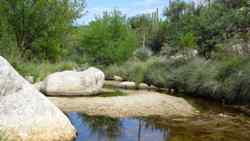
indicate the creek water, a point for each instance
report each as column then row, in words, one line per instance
column 215, row 123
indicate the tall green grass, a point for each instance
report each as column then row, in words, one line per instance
column 41, row 70
column 226, row 79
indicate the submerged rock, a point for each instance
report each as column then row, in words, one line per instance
column 72, row 83
column 27, row 115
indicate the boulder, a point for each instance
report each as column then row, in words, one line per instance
column 72, row 83
column 26, row 114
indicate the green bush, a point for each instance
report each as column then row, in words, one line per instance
column 132, row 70
column 143, row 53
column 113, row 70
column 236, row 83
column 41, row 70
column 108, row 39
column 156, row 74
column 136, row 71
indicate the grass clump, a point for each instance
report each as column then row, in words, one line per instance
column 41, row 70
column 224, row 79
column 113, row 94
column 132, row 70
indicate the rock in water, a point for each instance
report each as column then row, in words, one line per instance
column 72, row 83
column 27, row 115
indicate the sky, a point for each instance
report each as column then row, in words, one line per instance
column 127, row 7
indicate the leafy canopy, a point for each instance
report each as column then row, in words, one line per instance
column 40, row 26
column 109, row 39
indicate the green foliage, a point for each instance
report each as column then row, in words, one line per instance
column 113, row 70
column 136, row 71
column 177, row 9
column 113, row 94
column 108, row 39
column 225, row 80
column 39, row 27
column 41, row 70
column 143, row 54
column 154, row 74
column 188, row 40
column 148, row 30
column 206, row 26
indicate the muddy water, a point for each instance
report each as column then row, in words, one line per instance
column 215, row 123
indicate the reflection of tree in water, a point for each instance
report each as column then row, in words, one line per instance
column 154, row 125
column 104, row 127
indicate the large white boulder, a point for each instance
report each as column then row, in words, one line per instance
column 72, row 83
column 26, row 114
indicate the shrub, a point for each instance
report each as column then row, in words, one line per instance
column 109, row 39
column 143, row 53
column 224, row 80
column 136, row 71
column 199, row 78
column 41, row 70
column 156, row 73
column 113, row 70
column 236, row 85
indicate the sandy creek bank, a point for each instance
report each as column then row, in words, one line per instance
column 136, row 103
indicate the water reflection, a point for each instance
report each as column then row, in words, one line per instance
column 112, row 129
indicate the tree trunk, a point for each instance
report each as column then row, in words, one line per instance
column 139, row 131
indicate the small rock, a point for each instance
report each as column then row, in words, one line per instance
column 223, row 115
column 117, row 78
column 143, row 86
column 127, row 85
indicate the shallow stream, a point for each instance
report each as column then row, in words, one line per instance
column 215, row 123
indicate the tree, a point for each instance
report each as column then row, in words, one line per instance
column 108, row 39
column 177, row 9
column 188, row 40
column 148, row 29
column 40, row 26
column 180, row 20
